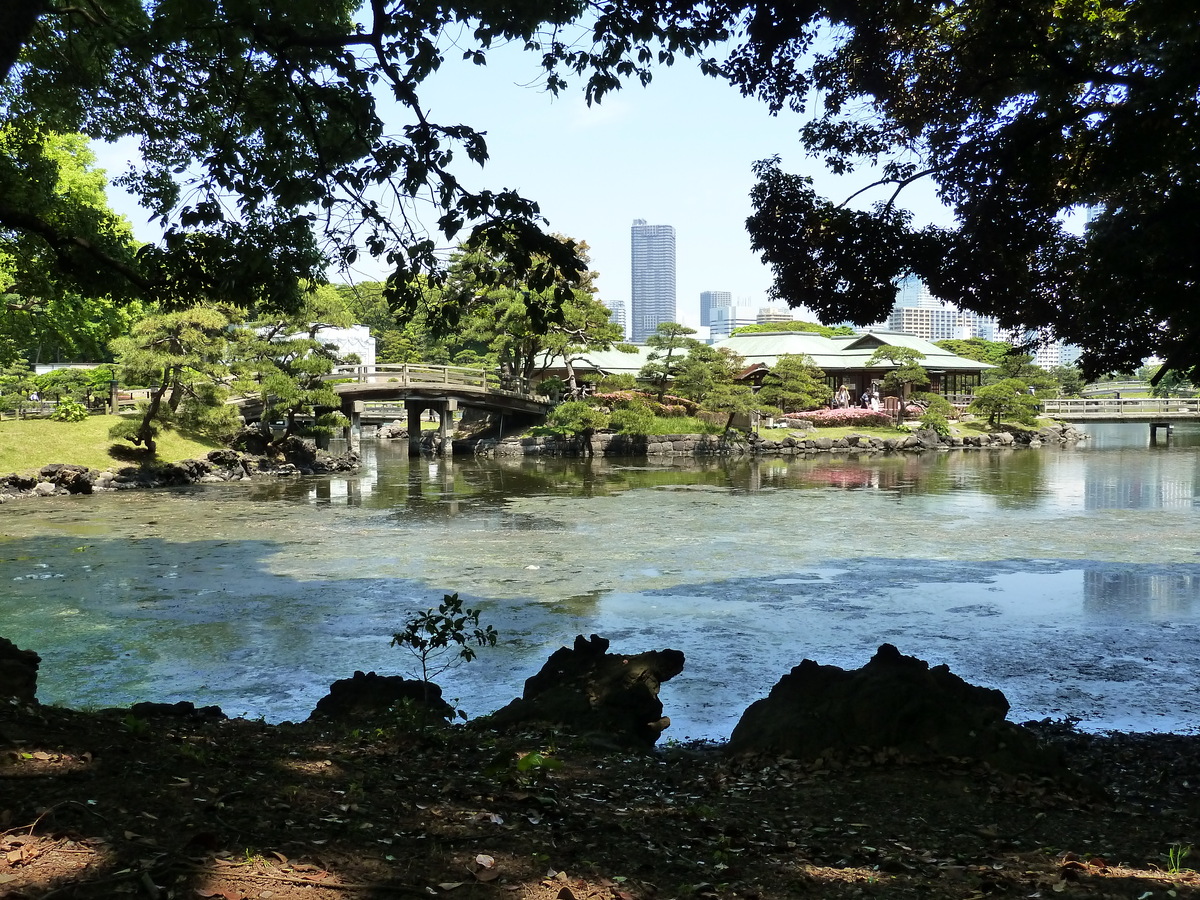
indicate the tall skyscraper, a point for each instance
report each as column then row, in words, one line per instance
column 710, row 300
column 616, row 311
column 652, row 295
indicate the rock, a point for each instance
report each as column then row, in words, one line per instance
column 365, row 696
column 588, row 690
column 893, row 703
column 393, row 431
column 74, row 479
column 184, row 709
column 18, row 672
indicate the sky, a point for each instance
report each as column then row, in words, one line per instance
column 678, row 152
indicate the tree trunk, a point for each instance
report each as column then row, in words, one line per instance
column 17, row 20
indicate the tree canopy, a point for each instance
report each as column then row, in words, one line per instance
column 1018, row 114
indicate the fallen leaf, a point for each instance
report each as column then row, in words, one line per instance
column 451, row 885
column 484, row 860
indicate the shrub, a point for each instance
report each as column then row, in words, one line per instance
column 69, row 411
column 634, row 417
column 834, row 418
column 936, row 421
column 444, row 637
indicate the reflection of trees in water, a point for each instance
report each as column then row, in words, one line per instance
column 1121, row 591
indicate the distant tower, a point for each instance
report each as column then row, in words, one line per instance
column 616, row 312
column 652, row 297
column 710, row 300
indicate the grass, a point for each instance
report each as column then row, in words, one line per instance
column 28, row 444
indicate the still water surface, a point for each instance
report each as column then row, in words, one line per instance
column 1069, row 579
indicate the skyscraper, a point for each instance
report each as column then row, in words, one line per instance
column 652, row 295
column 710, row 300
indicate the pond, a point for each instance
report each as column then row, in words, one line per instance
column 1067, row 578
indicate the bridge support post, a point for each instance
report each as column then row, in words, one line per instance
column 353, row 431
column 413, row 411
column 1166, row 427
column 446, row 420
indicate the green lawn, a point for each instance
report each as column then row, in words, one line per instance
column 28, row 444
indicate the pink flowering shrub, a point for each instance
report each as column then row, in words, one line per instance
column 834, row 418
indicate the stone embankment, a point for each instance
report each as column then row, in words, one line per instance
column 293, row 457
column 795, row 444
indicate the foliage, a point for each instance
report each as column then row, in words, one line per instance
column 669, row 347
column 16, row 384
column 1022, row 367
column 284, row 362
column 1018, row 115
column 622, row 382
column 578, row 417
column 443, row 638
column 176, row 352
column 633, row 417
column 813, row 327
column 1008, row 399
column 46, row 314
column 978, row 349
column 495, row 307
column 937, row 421
column 68, row 410
column 1070, row 380
column 908, row 372
column 853, row 416
column 795, row 383
column 667, row 407
column 704, row 370
column 937, row 403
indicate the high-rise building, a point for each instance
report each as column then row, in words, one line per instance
column 768, row 314
column 616, row 312
column 920, row 313
column 726, row 318
column 652, row 295
column 710, row 300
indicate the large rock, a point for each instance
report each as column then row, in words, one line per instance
column 18, row 672
column 588, row 691
column 893, row 703
column 367, row 696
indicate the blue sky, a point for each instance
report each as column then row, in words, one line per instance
column 678, row 152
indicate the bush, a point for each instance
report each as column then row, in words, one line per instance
column 69, row 411
column 937, row 421
column 634, row 417
column 835, row 418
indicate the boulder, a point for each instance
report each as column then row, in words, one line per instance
column 590, row 691
column 366, row 696
column 74, row 479
column 184, row 710
column 894, row 703
column 18, row 672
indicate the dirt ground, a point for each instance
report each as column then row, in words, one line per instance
column 110, row 805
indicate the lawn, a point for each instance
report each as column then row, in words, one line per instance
column 28, row 444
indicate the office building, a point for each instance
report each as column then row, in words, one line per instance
column 710, row 300
column 918, row 312
column 652, row 294
column 725, row 319
column 616, row 311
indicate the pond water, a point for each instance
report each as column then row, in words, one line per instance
column 1068, row 578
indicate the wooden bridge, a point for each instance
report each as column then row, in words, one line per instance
column 1136, row 409
column 440, row 388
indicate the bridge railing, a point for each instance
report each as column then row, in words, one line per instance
column 419, row 375
column 1108, row 406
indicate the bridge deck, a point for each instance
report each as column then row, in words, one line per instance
column 1138, row 409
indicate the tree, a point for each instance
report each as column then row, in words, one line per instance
column 43, row 315
column 978, row 349
column 182, row 356
column 264, row 147
column 1008, row 399
column 1018, row 114
column 813, row 327
column 284, row 362
column 907, row 374
column 669, row 346
column 704, row 370
column 522, row 327
column 795, row 383
column 1070, row 380
column 580, row 418
column 443, row 638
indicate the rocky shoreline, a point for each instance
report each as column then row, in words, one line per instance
column 603, row 444
column 293, row 457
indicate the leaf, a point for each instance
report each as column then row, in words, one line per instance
column 484, row 860
column 450, row 885
column 486, row 875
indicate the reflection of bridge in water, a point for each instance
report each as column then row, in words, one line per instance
column 420, row 388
